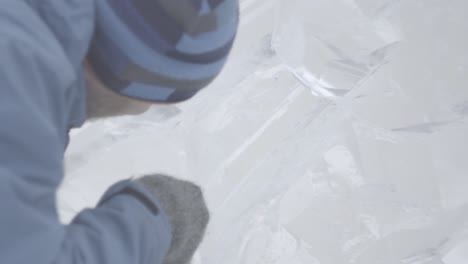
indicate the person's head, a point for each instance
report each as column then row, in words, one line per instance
column 156, row 51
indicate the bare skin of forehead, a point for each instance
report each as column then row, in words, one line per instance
column 103, row 102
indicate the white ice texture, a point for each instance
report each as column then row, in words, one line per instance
column 337, row 134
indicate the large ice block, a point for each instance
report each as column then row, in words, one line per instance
column 337, row 134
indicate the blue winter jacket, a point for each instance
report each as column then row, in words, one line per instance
column 42, row 95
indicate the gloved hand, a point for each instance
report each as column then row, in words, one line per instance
column 185, row 206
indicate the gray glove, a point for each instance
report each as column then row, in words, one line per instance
column 185, row 206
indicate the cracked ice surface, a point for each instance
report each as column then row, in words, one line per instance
column 337, row 134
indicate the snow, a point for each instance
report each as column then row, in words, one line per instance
column 337, row 134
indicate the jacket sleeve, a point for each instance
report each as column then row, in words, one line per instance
column 35, row 82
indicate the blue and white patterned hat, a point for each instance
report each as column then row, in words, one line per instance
column 162, row 50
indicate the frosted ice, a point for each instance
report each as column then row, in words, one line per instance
column 337, row 134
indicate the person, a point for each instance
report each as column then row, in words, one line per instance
column 66, row 61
